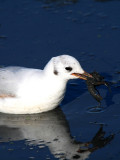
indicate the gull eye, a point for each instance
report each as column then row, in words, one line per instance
column 68, row 68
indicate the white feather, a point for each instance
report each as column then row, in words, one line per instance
column 36, row 90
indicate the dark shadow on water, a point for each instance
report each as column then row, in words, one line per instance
column 105, row 0
column 60, row 3
column 76, row 88
column 56, row 3
column 114, row 89
column 52, row 130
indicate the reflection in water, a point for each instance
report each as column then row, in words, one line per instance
column 52, row 130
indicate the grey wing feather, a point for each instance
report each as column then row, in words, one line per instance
column 9, row 80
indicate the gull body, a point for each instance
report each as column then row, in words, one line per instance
column 28, row 91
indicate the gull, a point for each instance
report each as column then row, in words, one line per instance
column 28, row 91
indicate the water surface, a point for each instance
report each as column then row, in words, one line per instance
column 31, row 32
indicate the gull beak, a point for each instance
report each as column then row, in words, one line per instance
column 83, row 75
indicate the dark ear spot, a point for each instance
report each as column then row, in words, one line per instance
column 55, row 72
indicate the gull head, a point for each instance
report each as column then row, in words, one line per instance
column 66, row 67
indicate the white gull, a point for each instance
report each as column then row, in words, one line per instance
column 28, row 91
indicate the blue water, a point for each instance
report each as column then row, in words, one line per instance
column 33, row 31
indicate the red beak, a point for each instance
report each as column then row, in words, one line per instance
column 83, row 75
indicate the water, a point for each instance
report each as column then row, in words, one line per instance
column 31, row 32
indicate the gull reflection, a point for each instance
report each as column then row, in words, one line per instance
column 52, row 130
